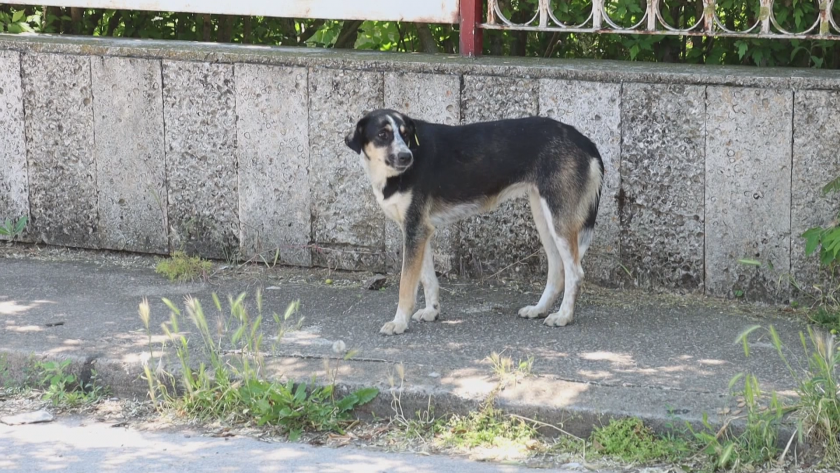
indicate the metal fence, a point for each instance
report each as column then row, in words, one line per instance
column 708, row 21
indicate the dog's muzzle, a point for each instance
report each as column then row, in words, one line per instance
column 402, row 160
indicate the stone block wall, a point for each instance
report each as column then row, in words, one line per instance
column 227, row 151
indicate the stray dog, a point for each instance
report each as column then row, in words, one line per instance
column 425, row 175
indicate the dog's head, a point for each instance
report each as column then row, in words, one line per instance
column 386, row 138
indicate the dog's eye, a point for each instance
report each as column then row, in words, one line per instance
column 383, row 134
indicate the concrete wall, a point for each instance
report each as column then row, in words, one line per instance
column 224, row 150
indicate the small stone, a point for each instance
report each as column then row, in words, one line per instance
column 434, row 374
column 27, row 418
column 376, row 283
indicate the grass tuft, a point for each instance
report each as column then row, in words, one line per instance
column 630, row 440
column 180, row 267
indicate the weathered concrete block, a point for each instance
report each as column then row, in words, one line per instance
column 594, row 109
column 14, row 189
column 59, row 141
column 273, row 154
column 128, row 121
column 748, row 171
column 201, row 174
column 662, row 184
column 816, row 160
column 348, row 226
column 505, row 240
column 433, row 98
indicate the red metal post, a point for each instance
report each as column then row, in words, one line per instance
column 471, row 38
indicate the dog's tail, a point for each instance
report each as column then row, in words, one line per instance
column 592, row 197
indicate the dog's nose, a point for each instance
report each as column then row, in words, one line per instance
column 403, row 158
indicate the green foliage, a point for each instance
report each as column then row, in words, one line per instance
column 62, row 388
column 17, row 21
column 819, row 392
column 231, row 385
column 757, row 443
column 297, row 408
column 828, row 317
column 487, row 427
column 739, row 15
column 182, row 267
column 632, row 441
column 825, row 238
column 13, row 229
column 817, row 408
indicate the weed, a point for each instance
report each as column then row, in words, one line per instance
column 817, row 410
column 13, row 229
column 62, row 388
column 632, row 441
column 756, row 444
column 231, row 385
column 488, row 427
column 819, row 392
column 827, row 317
column 181, row 267
column 503, row 368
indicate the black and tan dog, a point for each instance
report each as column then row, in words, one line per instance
column 425, row 175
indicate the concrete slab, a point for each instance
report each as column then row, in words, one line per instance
column 627, row 353
column 748, row 199
column 816, row 132
column 595, row 110
column 14, row 188
column 662, row 180
column 130, row 159
column 273, row 155
column 348, row 227
column 200, row 117
column 59, row 148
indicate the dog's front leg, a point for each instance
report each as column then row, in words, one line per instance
column 415, row 236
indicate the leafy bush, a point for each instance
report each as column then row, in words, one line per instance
column 827, row 239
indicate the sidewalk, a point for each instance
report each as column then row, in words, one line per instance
column 627, row 352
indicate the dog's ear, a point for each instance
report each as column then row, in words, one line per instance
column 354, row 138
column 411, row 132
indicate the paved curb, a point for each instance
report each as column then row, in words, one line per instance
column 124, row 380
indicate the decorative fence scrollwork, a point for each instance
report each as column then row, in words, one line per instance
column 707, row 21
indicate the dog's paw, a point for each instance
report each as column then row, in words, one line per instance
column 426, row 315
column 531, row 312
column 393, row 328
column 559, row 319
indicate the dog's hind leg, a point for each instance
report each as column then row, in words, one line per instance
column 555, row 281
column 568, row 246
column 431, row 288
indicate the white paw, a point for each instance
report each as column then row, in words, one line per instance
column 428, row 314
column 559, row 319
column 531, row 312
column 392, row 328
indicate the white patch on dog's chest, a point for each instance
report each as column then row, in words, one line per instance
column 395, row 206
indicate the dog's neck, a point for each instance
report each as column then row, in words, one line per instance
column 382, row 184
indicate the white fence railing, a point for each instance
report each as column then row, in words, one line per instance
column 425, row 11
